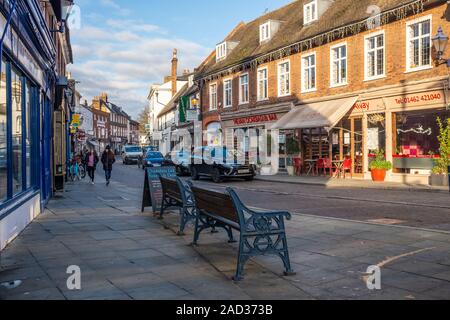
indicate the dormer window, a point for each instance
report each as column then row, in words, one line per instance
column 310, row 12
column 268, row 29
column 221, row 51
column 224, row 48
column 264, row 32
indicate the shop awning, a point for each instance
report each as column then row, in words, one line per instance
column 324, row 114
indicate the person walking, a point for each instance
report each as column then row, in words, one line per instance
column 91, row 160
column 108, row 159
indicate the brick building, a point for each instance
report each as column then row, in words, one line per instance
column 101, row 114
column 337, row 79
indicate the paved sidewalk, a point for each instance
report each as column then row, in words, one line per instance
column 351, row 183
column 126, row 255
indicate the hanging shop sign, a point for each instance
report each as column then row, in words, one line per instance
column 191, row 115
column 256, row 119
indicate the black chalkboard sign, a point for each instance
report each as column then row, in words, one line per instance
column 152, row 196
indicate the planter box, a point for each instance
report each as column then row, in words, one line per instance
column 439, row 180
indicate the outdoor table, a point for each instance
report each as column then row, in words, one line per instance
column 311, row 163
column 338, row 164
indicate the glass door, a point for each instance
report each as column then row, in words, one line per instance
column 357, row 147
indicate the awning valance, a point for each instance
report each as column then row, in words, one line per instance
column 324, row 114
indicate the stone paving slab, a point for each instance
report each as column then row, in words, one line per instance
column 124, row 254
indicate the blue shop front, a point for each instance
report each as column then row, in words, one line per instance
column 26, row 115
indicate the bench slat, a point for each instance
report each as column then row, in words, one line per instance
column 215, row 203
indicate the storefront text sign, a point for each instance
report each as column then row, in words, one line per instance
column 256, row 119
column 418, row 99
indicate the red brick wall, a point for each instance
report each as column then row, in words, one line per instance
column 395, row 63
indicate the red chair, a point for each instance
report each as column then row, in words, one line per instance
column 347, row 167
column 298, row 165
column 324, row 164
column 328, row 164
column 319, row 165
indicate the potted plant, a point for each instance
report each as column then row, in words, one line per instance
column 379, row 167
column 440, row 171
column 293, row 149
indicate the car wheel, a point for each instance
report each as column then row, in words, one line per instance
column 194, row 174
column 216, row 176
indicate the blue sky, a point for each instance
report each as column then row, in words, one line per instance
column 124, row 46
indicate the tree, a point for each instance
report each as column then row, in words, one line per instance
column 143, row 119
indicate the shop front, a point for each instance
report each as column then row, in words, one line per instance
column 346, row 134
column 249, row 134
column 25, row 123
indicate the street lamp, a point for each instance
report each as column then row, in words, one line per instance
column 440, row 41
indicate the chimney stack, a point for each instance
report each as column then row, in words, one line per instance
column 174, row 72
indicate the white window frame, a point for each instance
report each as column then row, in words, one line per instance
column 213, row 106
column 304, row 90
column 366, row 55
column 241, row 100
column 225, row 105
column 332, row 48
column 408, row 44
column 266, row 80
column 264, row 32
column 221, row 51
column 314, row 13
column 288, row 93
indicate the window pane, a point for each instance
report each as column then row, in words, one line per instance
column 3, row 130
column 16, row 91
column 380, row 62
column 425, row 51
column 29, row 137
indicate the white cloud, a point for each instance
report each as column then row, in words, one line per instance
column 126, row 59
column 112, row 4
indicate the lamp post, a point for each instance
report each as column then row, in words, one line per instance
column 440, row 42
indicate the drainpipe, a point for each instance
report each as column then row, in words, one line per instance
column 8, row 22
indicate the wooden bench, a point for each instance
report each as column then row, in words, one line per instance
column 177, row 194
column 261, row 233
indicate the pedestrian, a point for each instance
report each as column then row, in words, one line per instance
column 108, row 159
column 91, row 161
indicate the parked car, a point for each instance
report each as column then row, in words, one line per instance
column 131, row 154
column 153, row 159
column 181, row 160
column 143, row 154
column 213, row 164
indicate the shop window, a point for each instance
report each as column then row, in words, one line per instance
column 16, row 91
column 28, row 140
column 3, row 133
column 416, row 141
column 376, row 133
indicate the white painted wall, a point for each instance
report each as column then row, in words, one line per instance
column 12, row 225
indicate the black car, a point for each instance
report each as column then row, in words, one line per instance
column 219, row 164
column 181, row 160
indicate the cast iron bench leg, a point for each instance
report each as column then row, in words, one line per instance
column 286, row 260
column 242, row 260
